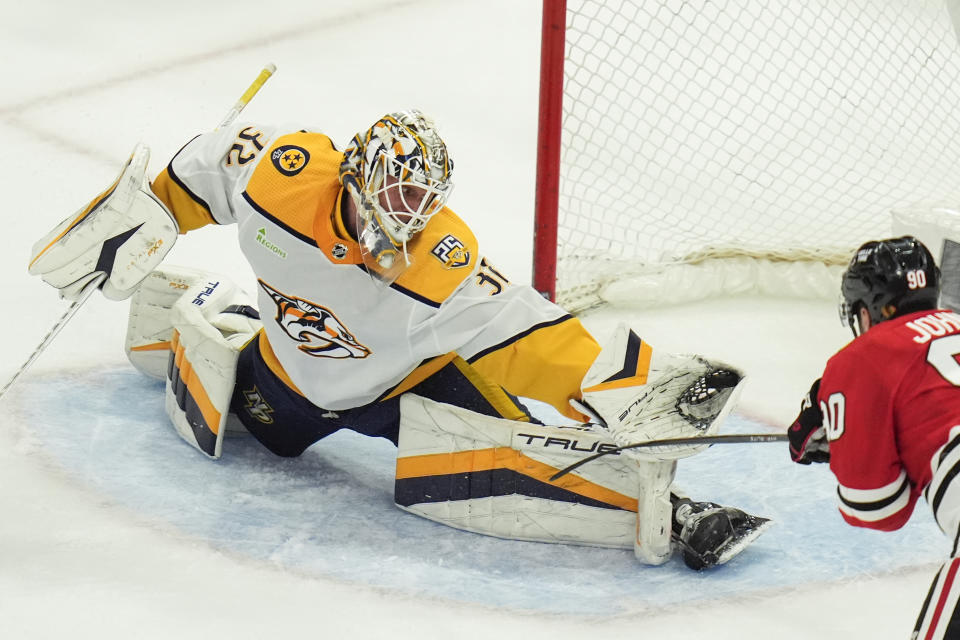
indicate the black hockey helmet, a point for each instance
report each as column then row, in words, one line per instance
column 889, row 278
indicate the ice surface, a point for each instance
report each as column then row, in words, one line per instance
column 111, row 527
column 330, row 513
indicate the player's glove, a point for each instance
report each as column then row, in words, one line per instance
column 808, row 438
column 122, row 235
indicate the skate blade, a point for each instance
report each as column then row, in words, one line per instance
column 736, row 545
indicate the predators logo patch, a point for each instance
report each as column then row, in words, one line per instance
column 290, row 159
column 257, row 407
column 320, row 333
column 451, row 252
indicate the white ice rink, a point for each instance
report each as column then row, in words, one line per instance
column 109, row 528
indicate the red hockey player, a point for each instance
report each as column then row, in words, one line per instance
column 886, row 413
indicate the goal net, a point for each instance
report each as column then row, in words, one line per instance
column 715, row 145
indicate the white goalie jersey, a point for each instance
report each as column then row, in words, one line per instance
column 332, row 332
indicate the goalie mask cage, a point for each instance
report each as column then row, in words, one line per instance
column 695, row 147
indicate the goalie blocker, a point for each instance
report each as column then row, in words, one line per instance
column 492, row 476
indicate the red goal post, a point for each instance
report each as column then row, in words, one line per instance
column 552, row 41
column 690, row 148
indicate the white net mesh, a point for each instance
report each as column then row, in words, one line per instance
column 772, row 129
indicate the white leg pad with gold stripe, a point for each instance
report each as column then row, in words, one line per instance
column 205, row 345
column 492, row 476
column 150, row 324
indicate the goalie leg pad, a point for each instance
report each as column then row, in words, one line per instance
column 654, row 511
column 205, row 345
column 492, row 476
column 150, row 321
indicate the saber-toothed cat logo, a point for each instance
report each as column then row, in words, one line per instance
column 321, row 333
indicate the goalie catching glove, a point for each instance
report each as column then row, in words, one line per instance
column 122, row 234
column 645, row 394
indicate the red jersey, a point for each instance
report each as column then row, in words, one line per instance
column 889, row 400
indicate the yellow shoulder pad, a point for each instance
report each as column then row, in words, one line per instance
column 297, row 179
column 443, row 255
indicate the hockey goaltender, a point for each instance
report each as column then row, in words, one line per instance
column 376, row 311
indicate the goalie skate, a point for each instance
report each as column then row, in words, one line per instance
column 708, row 534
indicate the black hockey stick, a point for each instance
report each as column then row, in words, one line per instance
column 727, row 438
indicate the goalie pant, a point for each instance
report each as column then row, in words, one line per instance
column 286, row 423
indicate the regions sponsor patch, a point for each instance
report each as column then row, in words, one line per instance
column 270, row 246
column 290, row 159
column 451, row 252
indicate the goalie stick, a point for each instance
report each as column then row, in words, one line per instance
column 264, row 75
column 268, row 70
column 87, row 291
column 729, row 438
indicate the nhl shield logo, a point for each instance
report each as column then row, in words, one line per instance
column 451, row 252
column 290, row 159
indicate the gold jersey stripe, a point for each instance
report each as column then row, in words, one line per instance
column 428, row 276
column 420, row 374
column 494, row 393
column 329, row 232
column 270, row 359
column 463, row 462
column 189, row 213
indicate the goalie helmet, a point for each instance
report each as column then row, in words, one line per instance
column 402, row 169
column 889, row 278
